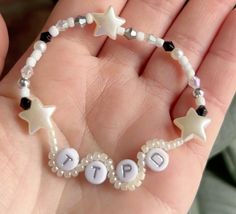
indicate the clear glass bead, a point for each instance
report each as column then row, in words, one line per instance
column 26, row 72
column 62, row 25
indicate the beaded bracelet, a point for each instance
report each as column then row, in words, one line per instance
column 127, row 175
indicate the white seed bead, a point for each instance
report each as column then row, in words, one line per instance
column 177, row 53
column 159, row 42
column 200, row 101
column 36, row 54
column 24, row 92
column 53, row 31
column 89, row 18
column 140, row 36
column 31, row 61
column 121, row 31
column 40, row 45
column 71, row 22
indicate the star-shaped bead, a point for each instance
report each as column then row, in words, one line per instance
column 38, row 116
column 192, row 125
column 107, row 23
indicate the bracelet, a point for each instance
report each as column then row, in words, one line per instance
column 128, row 174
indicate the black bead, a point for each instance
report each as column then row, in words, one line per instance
column 25, row 103
column 168, row 46
column 201, row 110
column 45, row 37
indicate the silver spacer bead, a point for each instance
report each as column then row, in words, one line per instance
column 198, row 92
column 81, row 20
column 23, row 83
column 130, row 33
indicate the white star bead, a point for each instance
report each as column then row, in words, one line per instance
column 37, row 116
column 107, row 23
column 192, row 125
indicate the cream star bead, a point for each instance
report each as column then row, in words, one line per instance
column 38, row 116
column 107, row 23
column 192, row 125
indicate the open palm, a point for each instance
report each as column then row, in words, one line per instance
column 112, row 96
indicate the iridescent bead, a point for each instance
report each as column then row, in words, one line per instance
column 194, row 82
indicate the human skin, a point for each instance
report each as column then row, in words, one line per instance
column 112, row 96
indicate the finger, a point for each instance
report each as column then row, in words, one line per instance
column 73, row 8
column 193, row 32
column 146, row 16
column 218, row 77
column 3, row 44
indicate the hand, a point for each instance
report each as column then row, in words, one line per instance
column 114, row 96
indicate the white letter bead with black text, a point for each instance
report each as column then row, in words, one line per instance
column 157, row 159
column 67, row 159
column 96, row 172
column 127, row 170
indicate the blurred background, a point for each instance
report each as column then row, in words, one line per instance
column 217, row 193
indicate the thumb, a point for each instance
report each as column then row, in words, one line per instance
column 4, row 42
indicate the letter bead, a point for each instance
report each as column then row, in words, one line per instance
column 157, row 159
column 127, row 170
column 67, row 159
column 96, row 172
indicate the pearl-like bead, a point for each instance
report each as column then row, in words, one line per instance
column 177, row 53
column 24, row 92
column 159, row 42
column 200, row 101
column 89, row 18
column 140, row 36
column 40, row 45
column 53, row 30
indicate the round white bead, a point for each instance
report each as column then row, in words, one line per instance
column 89, row 18
column 200, row 101
column 177, row 53
column 71, row 22
column 96, row 172
column 53, row 31
column 159, row 42
column 36, row 54
column 67, row 159
column 31, row 61
column 127, row 170
column 140, row 36
column 157, row 159
column 24, row 92
column 40, row 45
